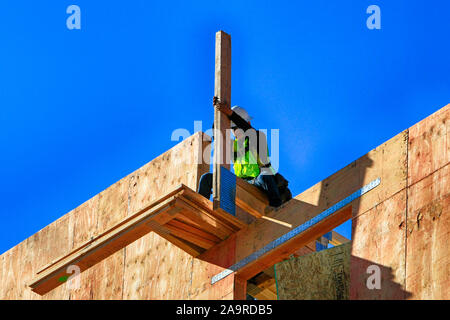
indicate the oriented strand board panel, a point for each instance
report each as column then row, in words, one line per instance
column 378, row 241
column 323, row 275
column 428, row 237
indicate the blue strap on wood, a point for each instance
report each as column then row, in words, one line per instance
column 301, row 228
column 227, row 191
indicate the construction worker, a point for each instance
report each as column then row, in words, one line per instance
column 250, row 155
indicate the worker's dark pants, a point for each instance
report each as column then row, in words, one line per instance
column 266, row 183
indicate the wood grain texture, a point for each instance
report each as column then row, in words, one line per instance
column 381, row 233
column 428, row 237
column 323, row 275
column 183, row 163
column 222, row 90
column 208, row 265
column 387, row 162
column 378, row 238
column 429, row 145
column 145, row 259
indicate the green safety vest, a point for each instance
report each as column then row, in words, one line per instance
column 246, row 164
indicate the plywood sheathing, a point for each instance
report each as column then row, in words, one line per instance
column 110, row 278
column 406, row 234
column 426, row 193
column 152, row 263
column 378, row 238
column 428, row 225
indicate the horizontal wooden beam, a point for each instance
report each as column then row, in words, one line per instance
column 250, row 198
column 284, row 250
column 101, row 247
column 338, row 239
column 261, row 245
column 182, row 216
column 385, row 164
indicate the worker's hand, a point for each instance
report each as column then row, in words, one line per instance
column 222, row 106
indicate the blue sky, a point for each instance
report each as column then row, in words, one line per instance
column 80, row 109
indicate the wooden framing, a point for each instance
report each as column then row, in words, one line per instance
column 182, row 217
column 175, row 217
column 222, row 90
column 402, row 226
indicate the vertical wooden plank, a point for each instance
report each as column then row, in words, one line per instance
column 222, row 90
column 240, row 289
column 428, row 237
column 378, row 239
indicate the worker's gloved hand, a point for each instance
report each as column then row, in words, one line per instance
column 222, row 106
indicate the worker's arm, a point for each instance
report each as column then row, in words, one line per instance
column 233, row 116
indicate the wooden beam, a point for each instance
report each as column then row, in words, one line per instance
column 386, row 163
column 283, row 251
column 182, row 217
column 116, row 238
column 337, row 239
column 202, row 204
column 250, row 198
column 222, row 90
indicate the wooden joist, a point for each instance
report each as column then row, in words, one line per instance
column 182, row 216
column 250, row 198
column 337, row 239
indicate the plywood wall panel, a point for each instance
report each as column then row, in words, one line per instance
column 85, row 221
column 428, row 237
column 388, row 162
column 112, row 205
column 105, row 280
column 429, row 145
column 150, row 260
column 208, row 265
column 11, row 267
column 108, row 280
column 378, row 239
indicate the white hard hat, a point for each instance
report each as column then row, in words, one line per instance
column 242, row 113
